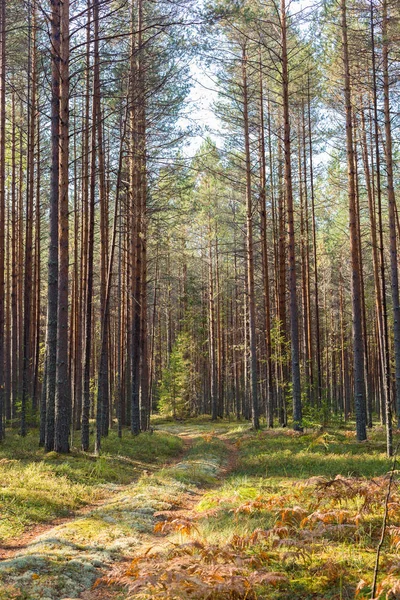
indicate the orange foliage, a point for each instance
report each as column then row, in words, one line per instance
column 197, row 570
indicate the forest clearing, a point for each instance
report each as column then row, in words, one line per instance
column 201, row 510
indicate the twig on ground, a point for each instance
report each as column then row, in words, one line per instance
column 384, row 525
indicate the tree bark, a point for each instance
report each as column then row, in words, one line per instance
column 52, row 295
column 63, row 387
column 392, row 210
column 250, row 253
column 264, row 251
column 294, row 317
column 358, row 349
column 2, row 208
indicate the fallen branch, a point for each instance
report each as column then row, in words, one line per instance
column 384, row 525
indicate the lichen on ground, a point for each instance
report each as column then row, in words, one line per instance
column 67, row 559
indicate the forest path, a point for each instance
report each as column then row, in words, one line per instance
column 65, row 560
column 174, row 524
column 13, row 547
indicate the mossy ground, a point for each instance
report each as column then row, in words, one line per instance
column 36, row 487
column 289, row 516
column 67, row 559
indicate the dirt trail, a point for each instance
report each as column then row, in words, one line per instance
column 11, row 548
column 185, row 512
column 64, row 558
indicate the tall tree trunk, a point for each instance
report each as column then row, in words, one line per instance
column 120, row 333
column 14, row 266
column 358, row 349
column 211, row 328
column 376, row 267
column 362, row 288
column 2, row 206
column 392, row 210
column 88, row 182
column 281, row 377
column 294, row 317
column 37, row 296
column 63, row 385
column 264, row 251
column 30, row 191
column 106, row 307
column 103, row 399
column 304, row 267
column 385, row 341
column 52, row 295
column 314, row 241
column 250, row 253
column 307, row 283
column 135, row 242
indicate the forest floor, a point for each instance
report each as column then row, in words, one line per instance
column 203, row 511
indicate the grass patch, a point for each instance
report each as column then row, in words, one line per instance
column 285, row 453
column 36, row 487
column 309, row 507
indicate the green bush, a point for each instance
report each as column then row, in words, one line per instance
column 178, row 380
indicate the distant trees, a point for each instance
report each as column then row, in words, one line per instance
column 286, row 133
column 178, row 380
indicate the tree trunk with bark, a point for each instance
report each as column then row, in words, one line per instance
column 358, row 347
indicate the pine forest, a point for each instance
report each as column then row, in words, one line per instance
column 199, row 299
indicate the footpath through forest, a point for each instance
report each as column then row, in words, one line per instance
column 64, row 561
